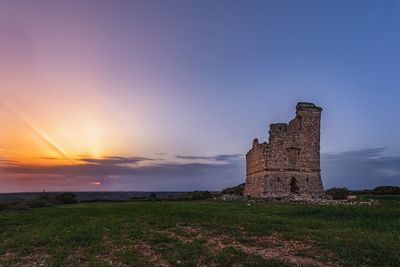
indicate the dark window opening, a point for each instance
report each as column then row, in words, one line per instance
column 294, row 187
column 293, row 155
column 307, row 179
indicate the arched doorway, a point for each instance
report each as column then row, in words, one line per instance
column 294, row 187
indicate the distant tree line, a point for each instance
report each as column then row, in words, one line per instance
column 195, row 195
column 342, row 193
column 380, row 190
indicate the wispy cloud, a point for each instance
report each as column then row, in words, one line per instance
column 6, row 162
column 360, row 169
column 125, row 173
column 116, row 160
column 123, row 166
column 217, row 158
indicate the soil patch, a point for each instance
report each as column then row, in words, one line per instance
column 268, row 247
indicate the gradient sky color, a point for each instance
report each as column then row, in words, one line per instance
column 168, row 95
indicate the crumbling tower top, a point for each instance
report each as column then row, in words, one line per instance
column 307, row 105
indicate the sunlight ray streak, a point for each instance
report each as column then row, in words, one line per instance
column 29, row 124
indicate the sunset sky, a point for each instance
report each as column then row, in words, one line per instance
column 168, row 95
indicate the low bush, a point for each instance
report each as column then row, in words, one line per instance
column 386, row 190
column 338, row 193
column 236, row 190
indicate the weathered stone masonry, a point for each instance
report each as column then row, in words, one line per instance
column 289, row 164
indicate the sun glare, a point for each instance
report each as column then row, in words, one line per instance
column 61, row 142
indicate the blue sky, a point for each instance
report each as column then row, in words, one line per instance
column 159, row 79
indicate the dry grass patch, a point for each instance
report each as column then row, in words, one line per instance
column 151, row 255
column 268, row 247
column 39, row 258
column 78, row 258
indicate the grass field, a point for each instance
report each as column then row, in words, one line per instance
column 202, row 233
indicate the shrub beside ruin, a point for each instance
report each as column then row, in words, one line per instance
column 338, row 193
column 235, row 190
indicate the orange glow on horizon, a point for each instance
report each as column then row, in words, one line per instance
column 63, row 142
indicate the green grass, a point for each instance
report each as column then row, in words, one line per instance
column 107, row 234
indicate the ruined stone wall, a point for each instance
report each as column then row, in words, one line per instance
column 255, row 168
column 289, row 164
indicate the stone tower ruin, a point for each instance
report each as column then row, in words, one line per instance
column 289, row 164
